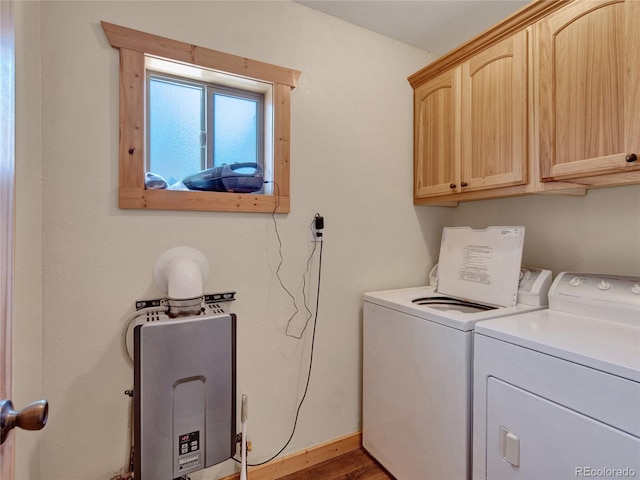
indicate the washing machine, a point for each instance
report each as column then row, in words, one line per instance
column 557, row 391
column 417, row 353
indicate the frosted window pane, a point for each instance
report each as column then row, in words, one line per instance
column 235, row 131
column 175, row 125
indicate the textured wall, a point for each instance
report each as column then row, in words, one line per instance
column 351, row 160
column 599, row 232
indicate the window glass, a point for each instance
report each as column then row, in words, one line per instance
column 176, row 124
column 188, row 134
column 235, row 132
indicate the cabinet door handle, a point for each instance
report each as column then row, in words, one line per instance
column 452, row 185
column 632, row 157
column 463, row 184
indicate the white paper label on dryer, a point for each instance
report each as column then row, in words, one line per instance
column 481, row 265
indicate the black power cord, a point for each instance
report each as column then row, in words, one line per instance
column 306, row 388
column 318, row 222
column 275, row 228
column 318, row 235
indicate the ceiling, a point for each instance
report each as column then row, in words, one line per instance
column 438, row 26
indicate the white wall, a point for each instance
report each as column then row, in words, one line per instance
column 599, row 232
column 351, row 160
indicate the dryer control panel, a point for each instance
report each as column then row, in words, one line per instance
column 610, row 297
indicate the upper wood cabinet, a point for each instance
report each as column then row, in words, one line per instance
column 589, row 77
column 471, row 123
column 545, row 101
column 494, row 116
column 437, row 127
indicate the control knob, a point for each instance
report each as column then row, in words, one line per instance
column 636, row 289
column 575, row 281
column 604, row 285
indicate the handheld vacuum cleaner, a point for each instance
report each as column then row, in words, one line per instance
column 243, row 177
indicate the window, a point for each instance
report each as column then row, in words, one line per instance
column 184, row 108
column 192, row 126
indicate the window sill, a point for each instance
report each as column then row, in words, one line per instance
column 141, row 198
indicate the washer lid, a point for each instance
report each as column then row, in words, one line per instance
column 481, row 265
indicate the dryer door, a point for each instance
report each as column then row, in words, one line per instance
column 531, row 437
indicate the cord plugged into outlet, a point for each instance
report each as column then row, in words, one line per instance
column 317, row 228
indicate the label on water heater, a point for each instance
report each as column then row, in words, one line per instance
column 189, row 462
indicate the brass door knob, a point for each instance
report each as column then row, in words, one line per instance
column 31, row 417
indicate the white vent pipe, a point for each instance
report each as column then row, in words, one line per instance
column 180, row 272
column 184, row 279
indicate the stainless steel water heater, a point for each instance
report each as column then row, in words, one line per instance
column 184, row 395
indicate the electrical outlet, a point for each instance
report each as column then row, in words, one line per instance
column 317, row 228
column 313, row 237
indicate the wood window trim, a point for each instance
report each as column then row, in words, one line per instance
column 132, row 194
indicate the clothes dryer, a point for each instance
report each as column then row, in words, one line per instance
column 557, row 391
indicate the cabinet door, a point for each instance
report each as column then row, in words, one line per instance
column 436, row 133
column 588, row 82
column 494, row 116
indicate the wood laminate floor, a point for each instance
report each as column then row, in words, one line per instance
column 356, row 465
